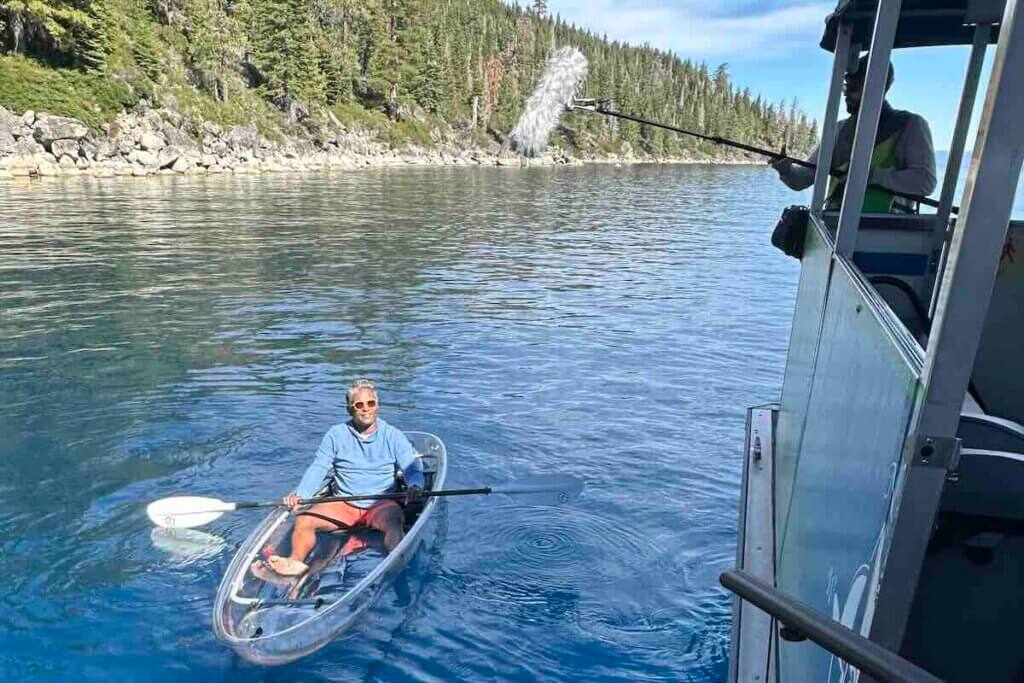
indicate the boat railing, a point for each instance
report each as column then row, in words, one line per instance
column 803, row 622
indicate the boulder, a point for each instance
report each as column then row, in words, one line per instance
column 143, row 158
column 181, row 165
column 243, row 137
column 208, row 160
column 105, row 149
column 48, row 169
column 152, row 142
column 49, row 129
column 8, row 122
column 88, row 149
column 20, row 161
column 28, row 118
column 27, row 146
column 167, row 156
column 7, row 143
column 178, row 138
column 124, row 144
column 67, row 162
column 211, row 128
column 82, row 163
column 152, row 121
column 61, row 148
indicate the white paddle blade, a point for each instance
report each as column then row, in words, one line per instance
column 543, row 489
column 185, row 512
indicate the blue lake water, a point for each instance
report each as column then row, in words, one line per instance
column 194, row 335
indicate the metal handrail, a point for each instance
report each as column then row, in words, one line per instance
column 870, row 657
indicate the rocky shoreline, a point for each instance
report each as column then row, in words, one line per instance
column 162, row 142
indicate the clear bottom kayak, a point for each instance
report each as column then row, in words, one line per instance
column 273, row 622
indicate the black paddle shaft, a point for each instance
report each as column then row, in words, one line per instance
column 920, row 199
column 377, row 496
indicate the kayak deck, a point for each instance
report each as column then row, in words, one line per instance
column 272, row 622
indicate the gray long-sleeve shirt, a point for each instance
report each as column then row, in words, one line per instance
column 915, row 173
column 361, row 465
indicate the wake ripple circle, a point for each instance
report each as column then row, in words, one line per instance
column 561, row 544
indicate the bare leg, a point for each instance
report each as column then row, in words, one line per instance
column 390, row 519
column 304, row 537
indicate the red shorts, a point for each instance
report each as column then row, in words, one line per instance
column 350, row 515
column 353, row 516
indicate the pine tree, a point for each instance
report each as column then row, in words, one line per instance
column 466, row 61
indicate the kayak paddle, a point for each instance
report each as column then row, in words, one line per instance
column 186, row 512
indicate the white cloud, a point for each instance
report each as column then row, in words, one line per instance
column 702, row 29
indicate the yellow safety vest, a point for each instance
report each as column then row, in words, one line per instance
column 876, row 200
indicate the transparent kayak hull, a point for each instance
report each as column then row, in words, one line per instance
column 269, row 624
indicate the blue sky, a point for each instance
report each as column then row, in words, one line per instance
column 772, row 48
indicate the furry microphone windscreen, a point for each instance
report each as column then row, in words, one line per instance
column 563, row 74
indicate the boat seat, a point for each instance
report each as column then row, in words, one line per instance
column 971, row 406
column 989, row 483
column 987, row 432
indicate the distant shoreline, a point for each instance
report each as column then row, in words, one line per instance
column 161, row 142
column 351, row 164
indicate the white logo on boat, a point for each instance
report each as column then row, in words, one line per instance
column 859, row 602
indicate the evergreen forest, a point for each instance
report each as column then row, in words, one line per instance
column 408, row 68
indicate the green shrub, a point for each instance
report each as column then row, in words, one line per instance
column 27, row 84
column 245, row 108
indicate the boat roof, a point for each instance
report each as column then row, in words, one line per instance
column 923, row 23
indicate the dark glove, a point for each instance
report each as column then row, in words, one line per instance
column 413, row 494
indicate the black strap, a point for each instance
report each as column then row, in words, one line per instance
column 338, row 523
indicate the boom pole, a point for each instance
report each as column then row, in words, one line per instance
column 600, row 107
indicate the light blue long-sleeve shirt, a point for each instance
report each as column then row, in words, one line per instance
column 361, row 466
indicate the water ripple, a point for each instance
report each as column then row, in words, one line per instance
column 194, row 335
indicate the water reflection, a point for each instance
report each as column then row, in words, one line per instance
column 193, row 336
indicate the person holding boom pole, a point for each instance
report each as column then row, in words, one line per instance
column 903, row 161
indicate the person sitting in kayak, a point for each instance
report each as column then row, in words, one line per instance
column 358, row 457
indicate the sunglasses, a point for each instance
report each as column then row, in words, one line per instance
column 363, row 405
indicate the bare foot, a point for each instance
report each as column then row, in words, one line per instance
column 262, row 571
column 286, row 566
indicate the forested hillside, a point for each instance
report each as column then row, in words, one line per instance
column 416, row 70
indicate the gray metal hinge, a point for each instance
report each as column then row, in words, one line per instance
column 937, row 451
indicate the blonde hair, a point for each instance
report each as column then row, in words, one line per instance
column 355, row 386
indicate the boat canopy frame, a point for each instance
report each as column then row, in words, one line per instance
column 962, row 305
column 964, row 287
column 922, row 23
